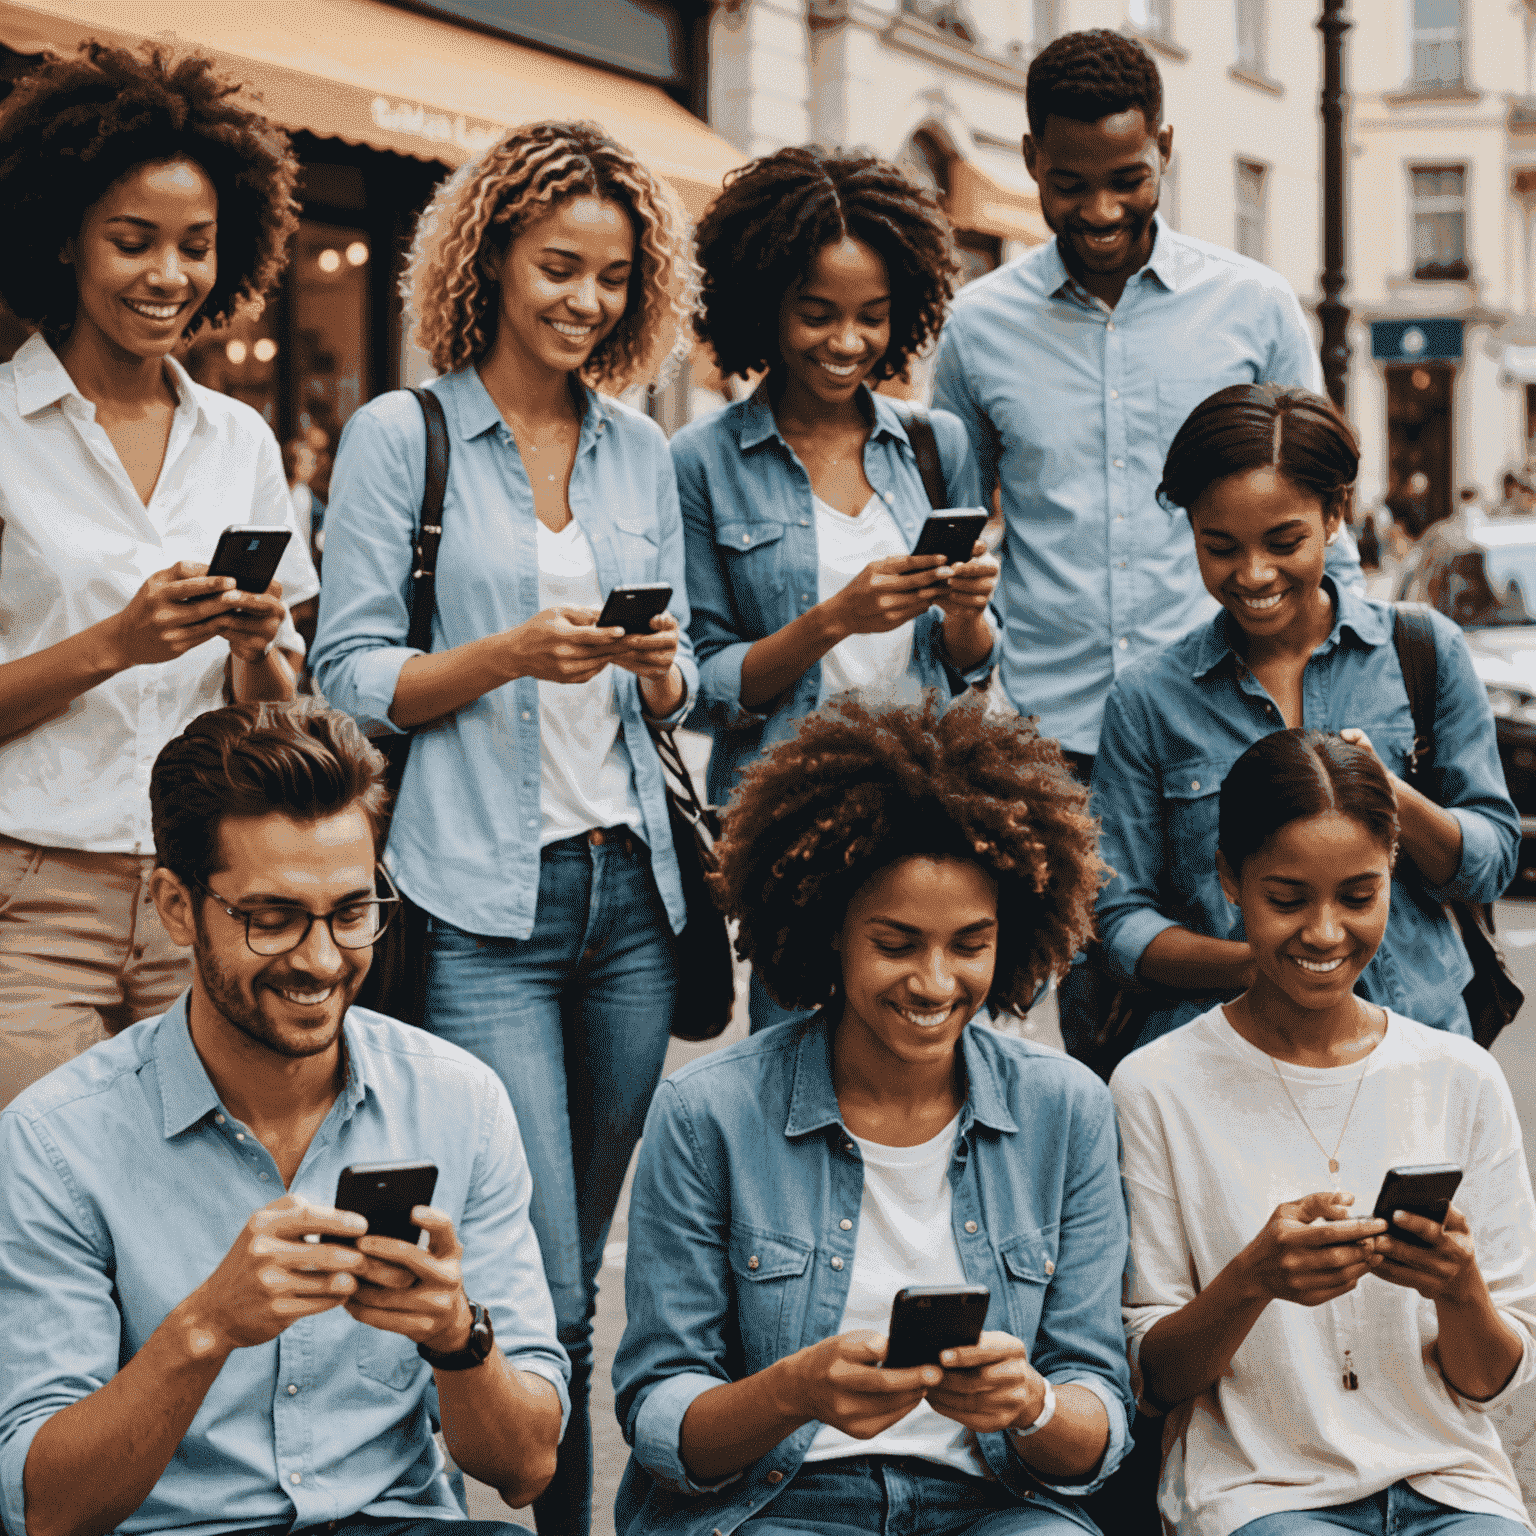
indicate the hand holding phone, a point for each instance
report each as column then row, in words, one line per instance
column 250, row 554
column 1422, row 1189
column 928, row 1319
column 952, row 533
column 633, row 607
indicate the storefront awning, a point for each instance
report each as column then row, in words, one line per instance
column 369, row 73
column 995, row 201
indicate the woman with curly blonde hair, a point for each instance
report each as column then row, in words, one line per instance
column 531, row 825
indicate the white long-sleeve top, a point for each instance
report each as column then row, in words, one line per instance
column 1210, row 1146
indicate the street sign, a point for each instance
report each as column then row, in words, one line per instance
column 1416, row 341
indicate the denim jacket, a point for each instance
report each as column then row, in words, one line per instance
column 750, row 532
column 742, row 1231
column 1176, row 722
column 464, row 842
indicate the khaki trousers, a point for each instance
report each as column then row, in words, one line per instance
column 83, row 954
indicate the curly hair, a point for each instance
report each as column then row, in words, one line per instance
column 73, row 127
column 1088, row 75
column 858, row 788
column 466, row 229
column 758, row 238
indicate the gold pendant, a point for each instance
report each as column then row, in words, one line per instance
column 1333, row 1165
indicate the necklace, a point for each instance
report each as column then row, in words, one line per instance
column 560, row 438
column 1333, row 1157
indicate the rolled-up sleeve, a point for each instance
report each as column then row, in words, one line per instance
column 1468, row 777
column 1127, row 795
column 365, row 602
column 676, row 1293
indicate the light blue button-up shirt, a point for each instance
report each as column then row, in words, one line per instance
column 1071, row 406
column 126, row 1182
column 1176, row 722
column 753, row 563
column 464, row 842
column 744, row 1225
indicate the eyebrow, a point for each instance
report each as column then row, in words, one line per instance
column 570, row 255
column 132, row 218
column 1367, row 874
column 976, row 927
column 271, row 899
column 1269, row 533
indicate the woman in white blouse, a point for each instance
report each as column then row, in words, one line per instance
column 140, row 200
column 1320, row 1371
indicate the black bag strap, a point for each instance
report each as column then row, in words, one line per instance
column 429, row 530
column 1413, row 638
column 925, row 448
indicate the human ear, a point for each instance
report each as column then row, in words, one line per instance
column 173, row 901
column 1165, row 143
column 1228, row 879
column 1029, row 156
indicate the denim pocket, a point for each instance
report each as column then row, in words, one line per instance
column 769, row 1271
column 753, row 560
column 638, row 543
column 1029, row 1261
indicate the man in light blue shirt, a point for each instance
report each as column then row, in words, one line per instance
column 181, row 1354
column 1074, row 365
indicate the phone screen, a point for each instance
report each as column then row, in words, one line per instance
column 251, row 555
column 952, row 534
column 386, row 1193
column 634, row 607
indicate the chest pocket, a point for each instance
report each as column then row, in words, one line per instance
column 1191, row 802
column 753, row 559
column 769, row 1276
column 388, row 1358
column 1029, row 1263
column 637, row 541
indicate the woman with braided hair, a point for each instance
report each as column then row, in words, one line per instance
column 893, row 869
column 802, row 503
column 532, row 821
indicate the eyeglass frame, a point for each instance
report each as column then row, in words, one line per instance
column 389, row 905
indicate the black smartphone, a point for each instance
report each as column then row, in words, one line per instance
column 634, row 607
column 385, row 1193
column 250, row 554
column 926, row 1319
column 952, row 534
column 1423, row 1188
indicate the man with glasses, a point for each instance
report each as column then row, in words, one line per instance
column 185, row 1350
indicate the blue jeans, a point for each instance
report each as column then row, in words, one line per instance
column 904, row 1496
column 764, row 1013
column 574, row 1021
column 1395, row 1511
column 394, row 1525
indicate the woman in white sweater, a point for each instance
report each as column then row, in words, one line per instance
column 1318, row 1370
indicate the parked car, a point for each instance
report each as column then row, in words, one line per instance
column 1485, row 579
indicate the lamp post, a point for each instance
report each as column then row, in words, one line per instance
column 1333, row 313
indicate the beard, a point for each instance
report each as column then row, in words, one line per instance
column 1136, row 225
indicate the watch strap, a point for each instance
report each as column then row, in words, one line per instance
column 482, row 1339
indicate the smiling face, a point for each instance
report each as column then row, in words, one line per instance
column 1314, row 900
column 145, row 259
column 918, row 947
column 835, row 326
column 565, row 283
column 1262, row 542
column 1099, row 185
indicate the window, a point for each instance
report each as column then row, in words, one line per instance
column 1439, row 222
column 1250, row 35
column 1250, row 209
column 1154, row 17
column 1438, row 42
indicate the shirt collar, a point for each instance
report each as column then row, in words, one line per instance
column 42, row 380
column 813, row 1101
column 469, row 407
column 187, row 1093
column 758, row 424
column 1164, row 263
column 1370, row 624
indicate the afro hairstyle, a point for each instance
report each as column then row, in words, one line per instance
column 73, row 127
column 1088, row 75
column 758, row 238
column 859, row 787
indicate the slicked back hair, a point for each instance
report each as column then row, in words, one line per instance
column 757, row 240
column 249, row 760
column 1088, row 75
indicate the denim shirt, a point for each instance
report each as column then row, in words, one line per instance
column 464, row 842
column 1177, row 721
column 750, row 528
column 744, row 1223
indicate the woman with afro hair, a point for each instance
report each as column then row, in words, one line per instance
column 803, row 502
column 532, row 824
column 894, row 870
column 142, row 199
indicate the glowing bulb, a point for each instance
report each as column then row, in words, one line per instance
column 264, row 350
column 329, row 260
column 235, row 351
column 357, row 252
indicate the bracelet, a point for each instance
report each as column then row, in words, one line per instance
column 1044, row 1417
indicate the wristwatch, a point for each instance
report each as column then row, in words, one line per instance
column 481, row 1341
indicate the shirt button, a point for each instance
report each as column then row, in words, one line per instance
column 1194, row 784
column 295, row 1477
column 1123, row 643
column 845, row 1224
column 847, row 1146
column 1119, row 463
column 805, row 597
column 527, row 714
column 1111, row 325
column 890, row 500
column 293, row 1391
column 837, row 1263
column 805, row 522
column 1050, row 1266
column 775, row 1477
column 239, row 1135
column 1114, row 394
column 753, row 1262
column 218, row 1119
column 970, row 1226
column 532, row 822
column 746, row 538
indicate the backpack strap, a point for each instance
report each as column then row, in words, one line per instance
column 1413, row 637
column 925, row 447
column 429, row 531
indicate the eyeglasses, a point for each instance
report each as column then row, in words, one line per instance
column 274, row 930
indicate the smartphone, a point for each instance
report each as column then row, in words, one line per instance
column 250, row 554
column 952, row 533
column 928, row 1318
column 385, row 1193
column 1423, row 1188
column 634, row 607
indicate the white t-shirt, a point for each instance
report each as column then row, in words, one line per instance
column 1210, row 1146
column 844, row 546
column 76, row 543
column 905, row 1238
column 585, row 777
